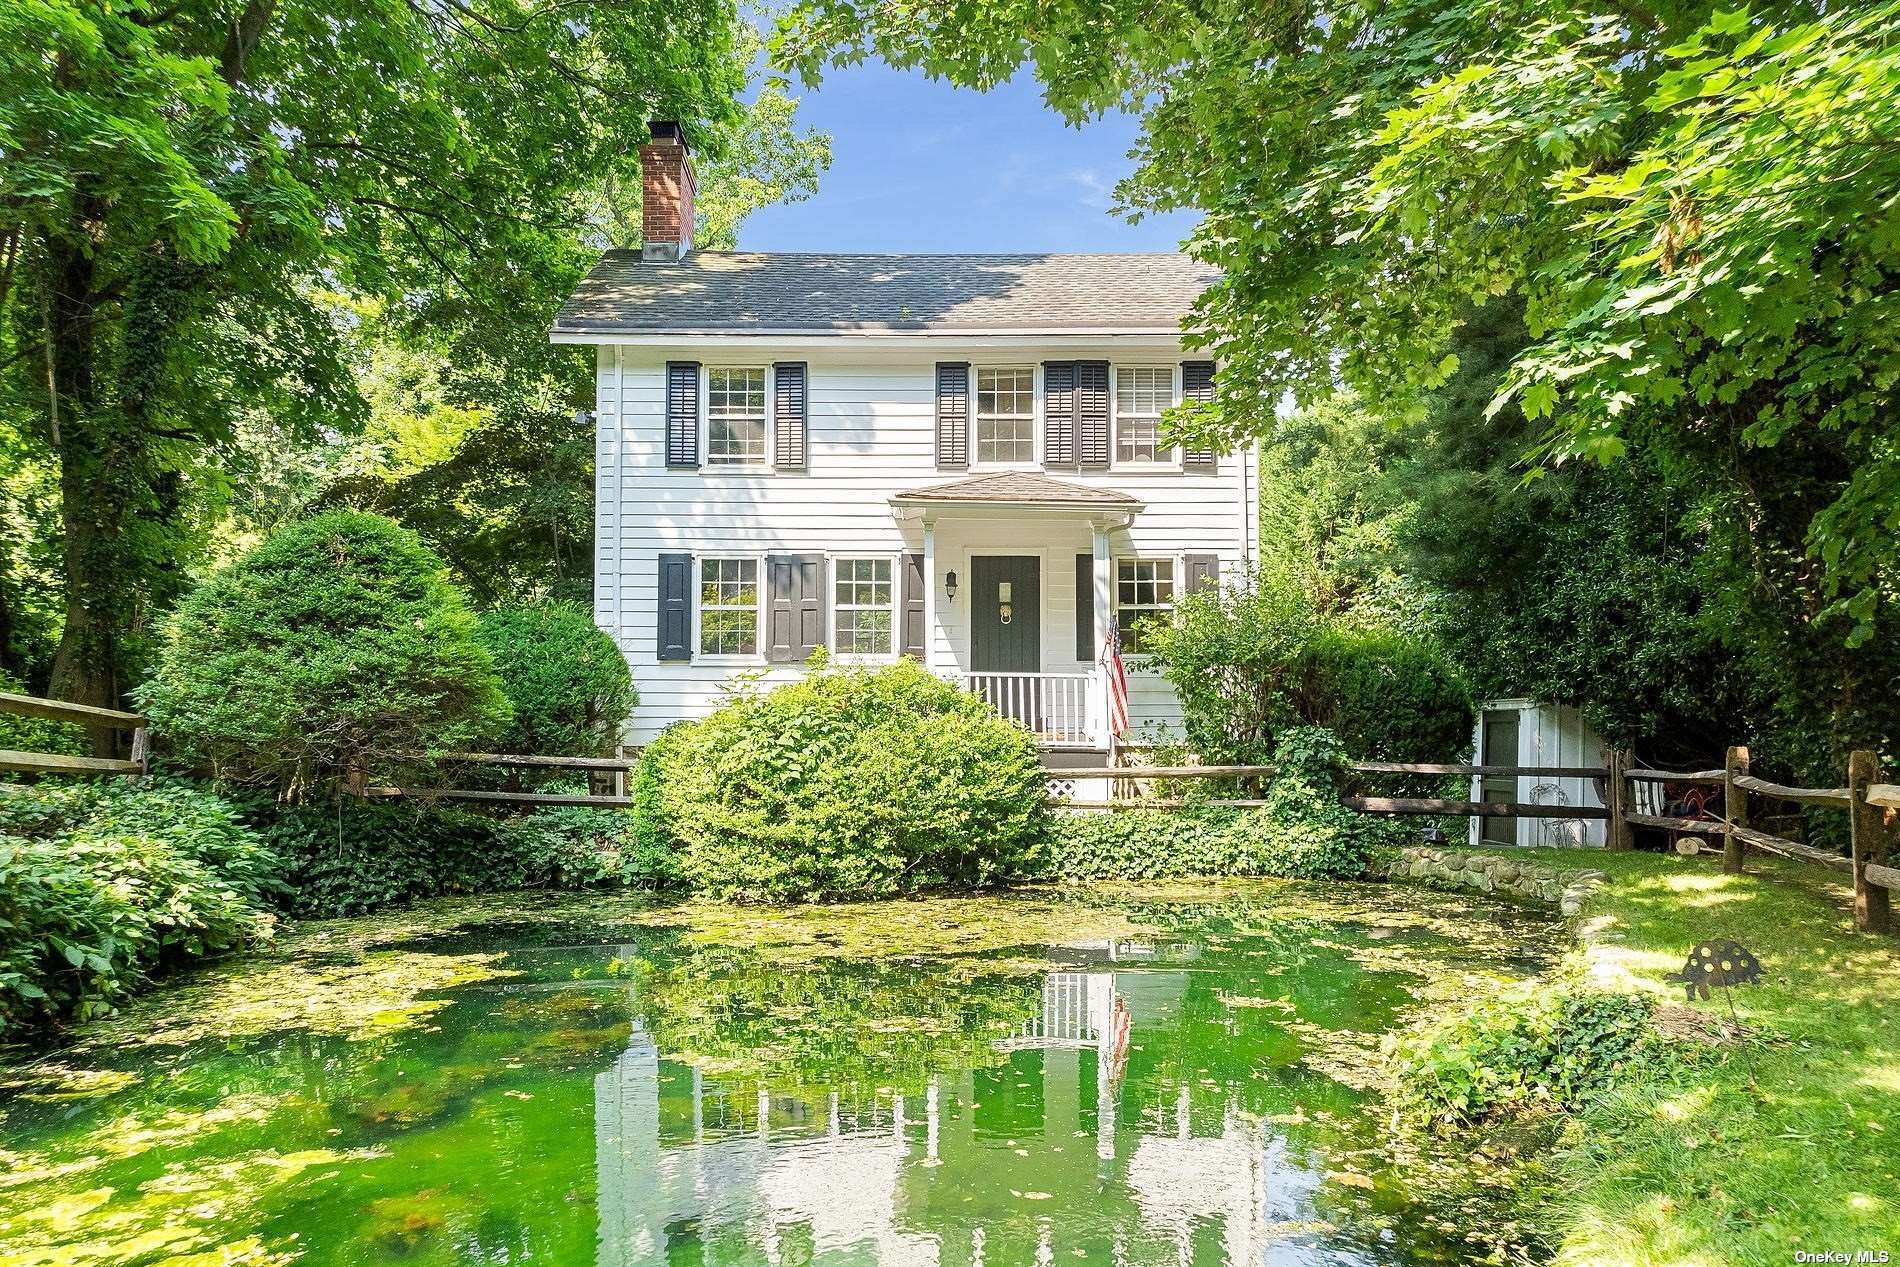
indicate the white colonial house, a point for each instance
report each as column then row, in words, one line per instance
column 951, row 457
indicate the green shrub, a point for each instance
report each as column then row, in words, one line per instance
column 353, row 857
column 1304, row 828
column 1534, row 1047
column 850, row 783
column 1232, row 654
column 643, row 789
column 1253, row 660
column 1303, row 831
column 1144, row 844
column 337, row 643
column 102, row 884
column 575, row 847
column 1388, row 696
column 566, row 682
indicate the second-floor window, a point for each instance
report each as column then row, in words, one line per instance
column 1141, row 394
column 1006, row 415
column 735, row 417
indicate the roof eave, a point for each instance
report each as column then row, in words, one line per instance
column 905, row 501
column 623, row 334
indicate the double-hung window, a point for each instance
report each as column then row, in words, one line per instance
column 1144, row 591
column 863, row 607
column 735, row 417
column 729, row 606
column 1141, row 394
column 1005, row 415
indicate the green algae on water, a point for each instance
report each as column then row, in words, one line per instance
column 571, row 1079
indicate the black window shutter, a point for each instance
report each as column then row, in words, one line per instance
column 795, row 623
column 789, row 423
column 1058, row 414
column 1197, row 384
column 1091, row 415
column 953, row 416
column 675, row 639
column 912, row 643
column 682, row 415
column 1203, row 572
column 1085, row 608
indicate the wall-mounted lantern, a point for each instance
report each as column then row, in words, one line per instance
column 950, row 586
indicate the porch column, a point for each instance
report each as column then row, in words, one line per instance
column 1104, row 583
column 1104, row 612
column 930, row 592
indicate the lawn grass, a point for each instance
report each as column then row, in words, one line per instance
column 1746, row 1153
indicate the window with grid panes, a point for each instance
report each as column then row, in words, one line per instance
column 1144, row 590
column 863, row 607
column 729, row 606
column 1006, row 415
column 1141, row 394
column 735, row 417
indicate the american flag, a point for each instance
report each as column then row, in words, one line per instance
column 1117, row 681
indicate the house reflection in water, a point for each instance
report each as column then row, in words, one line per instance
column 1045, row 1156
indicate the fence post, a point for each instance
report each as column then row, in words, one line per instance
column 142, row 750
column 1621, row 840
column 1871, row 901
column 1734, row 810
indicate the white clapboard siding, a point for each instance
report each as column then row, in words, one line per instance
column 872, row 433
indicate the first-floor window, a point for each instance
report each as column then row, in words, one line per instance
column 1144, row 591
column 864, row 607
column 729, row 606
column 735, row 417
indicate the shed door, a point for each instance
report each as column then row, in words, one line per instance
column 1499, row 748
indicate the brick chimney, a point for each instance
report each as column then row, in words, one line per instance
column 666, row 194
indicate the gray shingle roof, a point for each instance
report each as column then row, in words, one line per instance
column 1018, row 488
column 727, row 292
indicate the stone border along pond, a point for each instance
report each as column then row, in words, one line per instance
column 1481, row 871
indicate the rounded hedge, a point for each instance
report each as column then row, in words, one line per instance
column 1388, row 696
column 850, row 783
column 337, row 643
column 566, row 681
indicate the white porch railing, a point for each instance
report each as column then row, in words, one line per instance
column 1061, row 708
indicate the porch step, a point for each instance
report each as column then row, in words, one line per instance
column 1074, row 758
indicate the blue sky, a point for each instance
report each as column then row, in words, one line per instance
column 918, row 165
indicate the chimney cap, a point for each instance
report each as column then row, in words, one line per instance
column 666, row 130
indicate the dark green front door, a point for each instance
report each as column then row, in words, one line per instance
column 1005, row 614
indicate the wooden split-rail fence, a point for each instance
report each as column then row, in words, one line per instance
column 1871, row 803
column 95, row 720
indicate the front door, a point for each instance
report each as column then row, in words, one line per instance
column 1005, row 614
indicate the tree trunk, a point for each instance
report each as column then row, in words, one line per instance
column 86, row 668
column 108, row 474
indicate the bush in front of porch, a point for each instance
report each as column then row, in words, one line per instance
column 1256, row 660
column 851, row 782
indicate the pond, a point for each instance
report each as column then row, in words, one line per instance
column 1182, row 1074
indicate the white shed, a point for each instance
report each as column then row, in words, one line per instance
column 1523, row 732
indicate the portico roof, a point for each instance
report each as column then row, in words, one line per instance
column 1026, row 490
